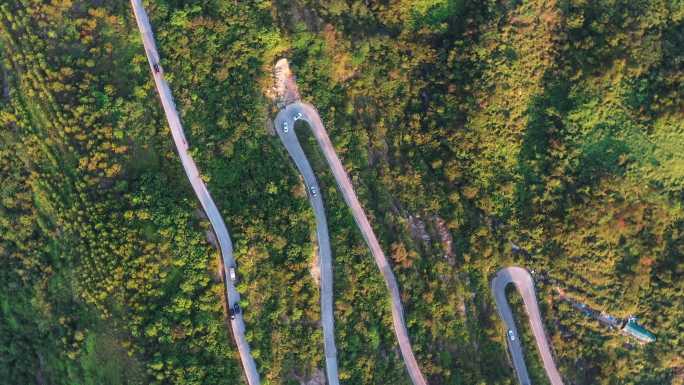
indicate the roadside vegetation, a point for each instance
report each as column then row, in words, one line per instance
column 465, row 126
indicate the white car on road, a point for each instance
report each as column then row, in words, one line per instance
column 285, row 128
column 511, row 335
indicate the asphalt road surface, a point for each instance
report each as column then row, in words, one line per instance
column 324, row 253
column 308, row 113
column 198, row 186
column 525, row 285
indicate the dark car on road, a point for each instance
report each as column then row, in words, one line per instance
column 234, row 311
column 156, row 67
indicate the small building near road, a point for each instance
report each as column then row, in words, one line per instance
column 632, row 328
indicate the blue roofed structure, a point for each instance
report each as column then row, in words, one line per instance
column 637, row 331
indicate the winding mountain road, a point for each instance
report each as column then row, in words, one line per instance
column 225, row 244
column 288, row 115
column 307, row 113
column 324, row 254
column 523, row 282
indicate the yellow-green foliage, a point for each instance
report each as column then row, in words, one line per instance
column 466, row 126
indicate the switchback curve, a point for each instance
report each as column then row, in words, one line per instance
column 523, row 282
column 306, row 112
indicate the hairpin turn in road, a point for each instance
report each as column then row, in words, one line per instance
column 523, row 282
column 284, row 125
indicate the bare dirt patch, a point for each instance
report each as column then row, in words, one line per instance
column 314, row 268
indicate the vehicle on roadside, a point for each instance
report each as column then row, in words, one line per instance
column 511, row 335
column 285, row 128
column 232, row 273
column 156, row 67
column 234, row 311
column 313, row 190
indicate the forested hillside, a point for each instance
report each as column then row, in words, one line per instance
column 468, row 127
